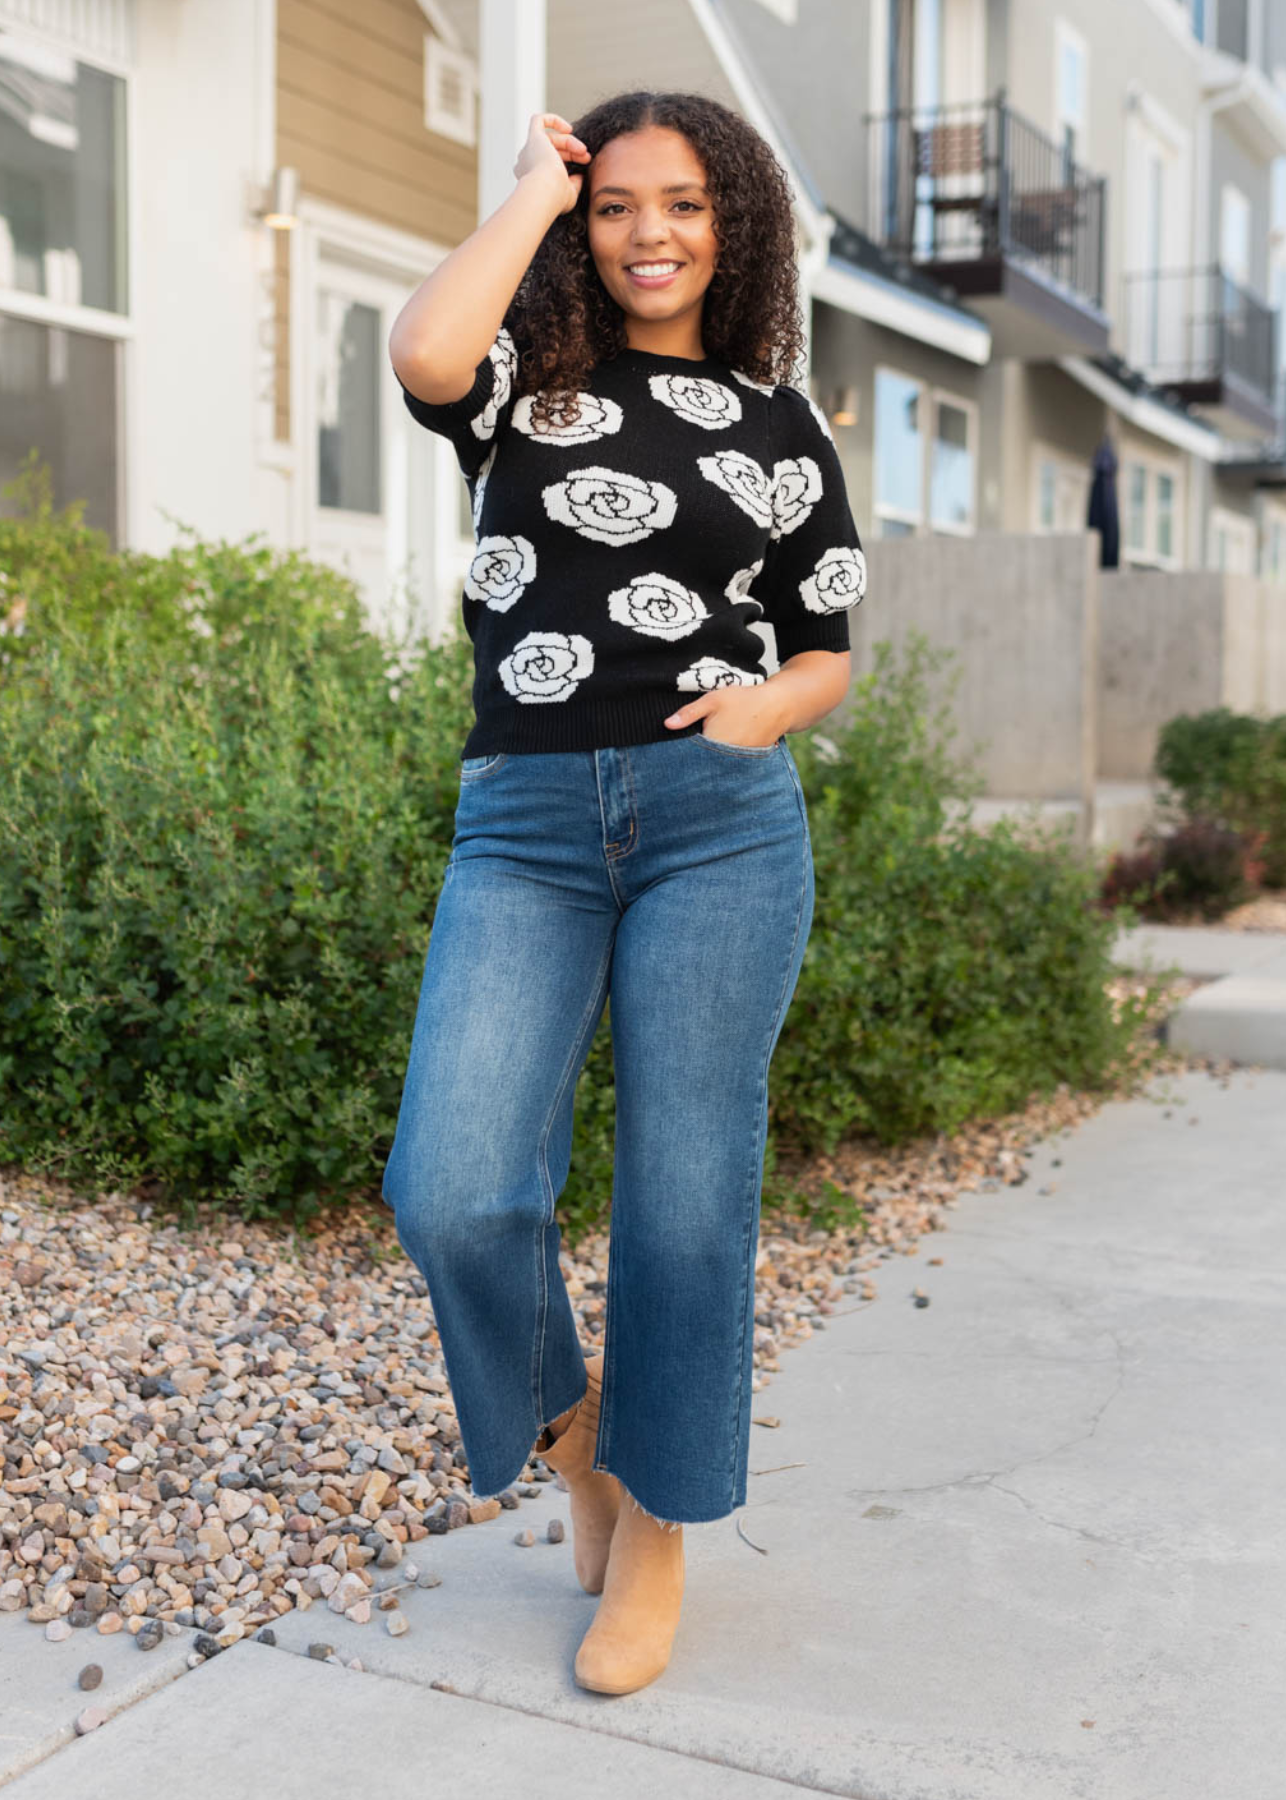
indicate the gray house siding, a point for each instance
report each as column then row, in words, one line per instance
column 816, row 75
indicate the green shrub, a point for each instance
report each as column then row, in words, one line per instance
column 950, row 972
column 225, row 808
column 1201, row 868
column 1230, row 768
column 224, row 817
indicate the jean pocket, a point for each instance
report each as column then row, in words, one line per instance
column 752, row 750
column 473, row 766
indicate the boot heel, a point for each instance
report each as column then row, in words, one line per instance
column 629, row 1642
column 594, row 1496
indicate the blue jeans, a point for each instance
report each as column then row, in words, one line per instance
column 678, row 875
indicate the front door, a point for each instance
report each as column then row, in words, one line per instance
column 372, row 475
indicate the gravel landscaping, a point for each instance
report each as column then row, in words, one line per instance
column 1266, row 912
column 212, row 1427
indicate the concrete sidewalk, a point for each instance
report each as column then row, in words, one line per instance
column 1241, row 1012
column 1025, row 1543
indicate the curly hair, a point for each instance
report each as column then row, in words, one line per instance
column 564, row 321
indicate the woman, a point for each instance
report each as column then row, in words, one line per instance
column 609, row 356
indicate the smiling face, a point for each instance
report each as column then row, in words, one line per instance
column 651, row 234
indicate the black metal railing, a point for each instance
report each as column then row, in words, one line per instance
column 975, row 180
column 1198, row 324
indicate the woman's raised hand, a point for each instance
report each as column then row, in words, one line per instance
column 549, row 147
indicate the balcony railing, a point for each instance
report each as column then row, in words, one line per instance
column 1189, row 327
column 977, row 181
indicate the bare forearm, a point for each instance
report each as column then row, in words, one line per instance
column 809, row 686
column 451, row 320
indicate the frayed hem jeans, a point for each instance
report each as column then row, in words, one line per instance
column 678, row 877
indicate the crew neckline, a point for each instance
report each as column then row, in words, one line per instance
column 685, row 362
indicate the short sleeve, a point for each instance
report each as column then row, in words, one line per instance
column 814, row 570
column 475, row 421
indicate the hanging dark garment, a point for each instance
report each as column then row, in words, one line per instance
column 1103, row 509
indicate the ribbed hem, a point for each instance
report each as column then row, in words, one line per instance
column 452, row 412
column 583, row 725
column 829, row 631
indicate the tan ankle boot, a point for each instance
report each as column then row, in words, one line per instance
column 629, row 1642
column 593, row 1494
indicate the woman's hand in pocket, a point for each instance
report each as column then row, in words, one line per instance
column 752, row 717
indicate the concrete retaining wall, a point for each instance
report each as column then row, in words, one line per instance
column 1068, row 671
column 1021, row 613
column 1181, row 642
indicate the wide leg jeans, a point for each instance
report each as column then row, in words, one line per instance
column 676, row 877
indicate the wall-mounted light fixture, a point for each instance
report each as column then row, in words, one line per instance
column 844, row 409
column 279, row 204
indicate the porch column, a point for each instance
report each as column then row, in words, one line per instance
column 511, row 78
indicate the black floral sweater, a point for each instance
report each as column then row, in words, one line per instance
column 620, row 559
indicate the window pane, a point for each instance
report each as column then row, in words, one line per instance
column 1071, row 84
column 62, row 177
column 1234, row 235
column 896, row 528
column 1046, row 478
column 899, row 446
column 1136, row 507
column 348, row 403
column 952, row 481
column 1165, row 515
column 58, row 395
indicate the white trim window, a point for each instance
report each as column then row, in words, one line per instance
column 1071, row 89
column 1232, row 541
column 380, row 495
column 926, row 457
column 1158, row 162
column 64, row 269
column 1149, row 503
column 1234, row 233
column 1060, row 490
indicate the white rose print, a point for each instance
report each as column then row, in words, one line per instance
column 599, row 417
column 547, row 665
column 479, row 488
column 697, row 399
column 760, row 387
column 657, row 605
column 504, row 355
column 739, row 587
column 820, row 416
column 610, row 506
column 797, row 487
column 743, row 480
column 712, row 672
column 838, row 580
column 502, row 568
